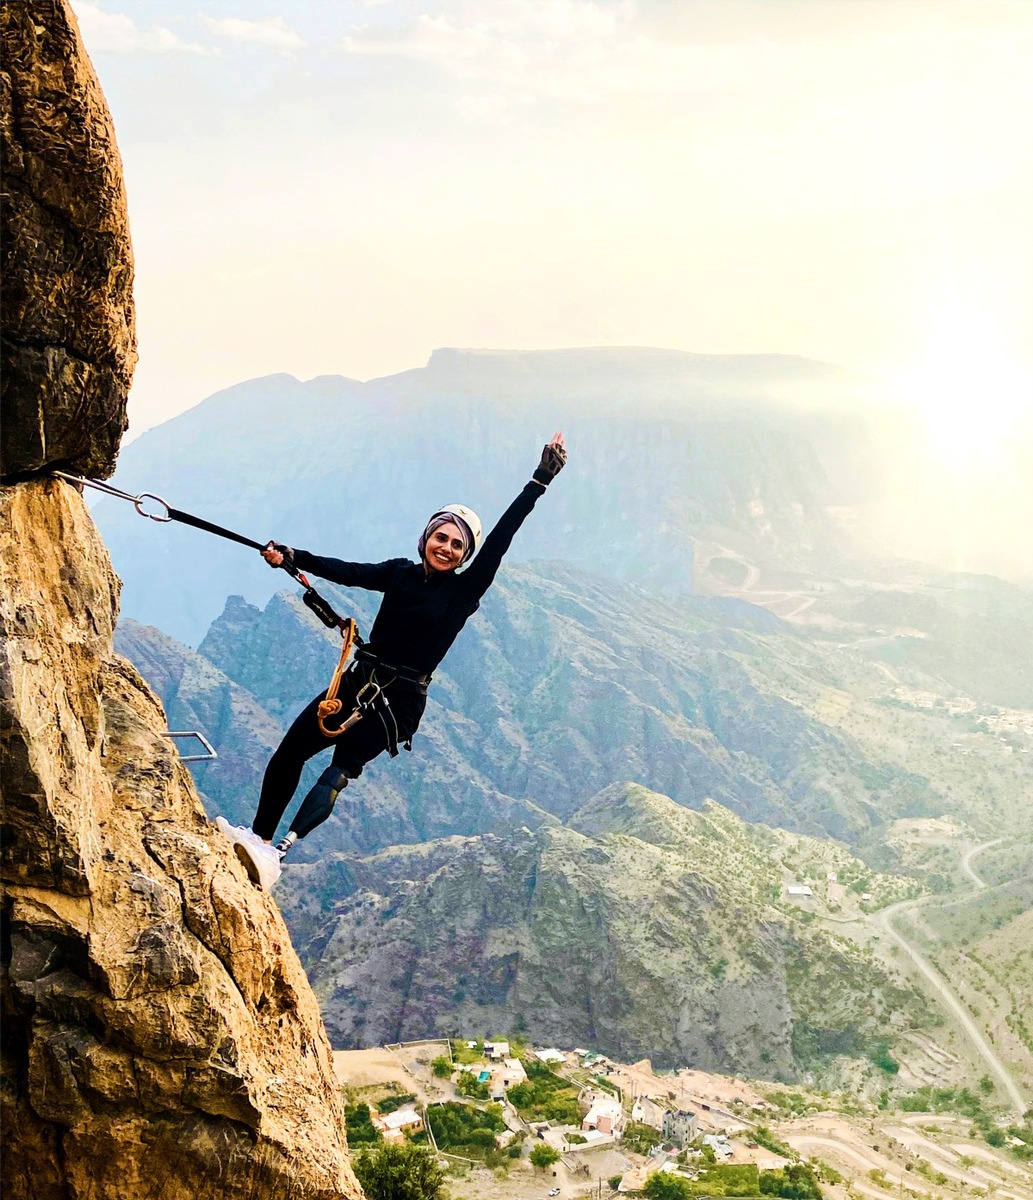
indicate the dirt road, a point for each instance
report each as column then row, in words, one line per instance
column 940, row 985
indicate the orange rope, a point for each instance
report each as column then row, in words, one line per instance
column 330, row 706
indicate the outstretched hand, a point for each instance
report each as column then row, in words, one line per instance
column 276, row 554
column 554, row 458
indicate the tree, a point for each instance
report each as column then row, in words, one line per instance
column 441, row 1066
column 467, row 1084
column 359, row 1125
column 662, row 1185
column 544, row 1156
column 400, row 1172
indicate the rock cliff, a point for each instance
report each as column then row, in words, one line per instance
column 69, row 342
column 159, row 1035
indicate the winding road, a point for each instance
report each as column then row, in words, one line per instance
column 950, row 1000
column 966, row 862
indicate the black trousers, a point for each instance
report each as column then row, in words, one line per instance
column 380, row 728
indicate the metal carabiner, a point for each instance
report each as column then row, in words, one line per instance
column 138, row 505
column 377, row 689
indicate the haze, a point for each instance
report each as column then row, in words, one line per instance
column 336, row 187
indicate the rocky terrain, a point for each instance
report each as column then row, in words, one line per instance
column 69, row 342
column 639, row 928
column 159, row 1035
column 566, row 682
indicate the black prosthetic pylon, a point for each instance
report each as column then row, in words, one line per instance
column 316, row 807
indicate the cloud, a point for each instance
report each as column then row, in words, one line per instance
column 120, row 34
column 519, row 49
column 273, row 33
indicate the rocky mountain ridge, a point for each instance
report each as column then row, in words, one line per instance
column 665, row 448
column 564, row 683
column 639, row 928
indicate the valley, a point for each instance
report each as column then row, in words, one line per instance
column 754, row 803
column 854, row 1149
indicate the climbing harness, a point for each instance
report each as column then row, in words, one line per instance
column 311, row 598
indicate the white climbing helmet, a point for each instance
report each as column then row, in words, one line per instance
column 465, row 517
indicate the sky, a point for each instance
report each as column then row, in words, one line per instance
column 342, row 186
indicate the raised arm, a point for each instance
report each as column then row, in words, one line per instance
column 479, row 575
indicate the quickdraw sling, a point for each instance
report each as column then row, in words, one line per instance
column 350, row 638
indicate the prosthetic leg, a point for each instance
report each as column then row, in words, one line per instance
column 315, row 808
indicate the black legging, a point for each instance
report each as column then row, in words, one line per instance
column 370, row 736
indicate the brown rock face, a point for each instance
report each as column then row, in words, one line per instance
column 159, row 1035
column 69, row 343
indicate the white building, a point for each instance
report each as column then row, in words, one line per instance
column 605, row 1113
column 720, row 1145
column 396, row 1125
column 648, row 1112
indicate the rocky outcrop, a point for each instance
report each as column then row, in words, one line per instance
column 69, row 343
column 641, row 929
column 160, row 1036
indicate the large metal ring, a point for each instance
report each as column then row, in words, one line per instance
column 138, row 504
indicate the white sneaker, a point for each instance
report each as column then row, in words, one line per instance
column 258, row 858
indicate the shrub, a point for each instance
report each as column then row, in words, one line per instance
column 640, row 1138
column 795, row 1182
column 393, row 1171
column 358, row 1121
column 663, row 1186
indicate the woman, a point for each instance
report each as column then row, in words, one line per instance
column 425, row 606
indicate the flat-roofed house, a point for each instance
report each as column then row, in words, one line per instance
column 395, row 1126
column 679, row 1126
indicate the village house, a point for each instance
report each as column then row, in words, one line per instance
column 551, row 1055
column 605, row 1113
column 396, row 1126
column 679, row 1126
column 648, row 1111
column 512, row 1072
column 719, row 1143
column 496, row 1050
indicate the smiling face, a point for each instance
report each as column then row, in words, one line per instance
column 444, row 548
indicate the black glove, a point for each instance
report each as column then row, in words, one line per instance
column 554, row 458
column 286, row 551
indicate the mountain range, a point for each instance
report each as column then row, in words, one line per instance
column 753, row 452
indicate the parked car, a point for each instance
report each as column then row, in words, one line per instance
column 554, row 1192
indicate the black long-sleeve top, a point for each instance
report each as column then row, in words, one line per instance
column 422, row 613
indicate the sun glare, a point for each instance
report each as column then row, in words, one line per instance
column 969, row 392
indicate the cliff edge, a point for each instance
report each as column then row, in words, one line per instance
column 160, row 1038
